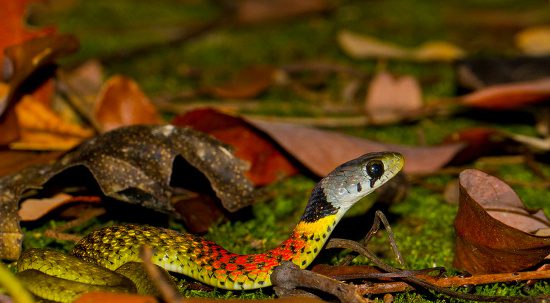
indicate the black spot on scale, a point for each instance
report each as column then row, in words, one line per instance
column 315, row 250
column 261, row 282
column 304, row 262
column 222, row 282
column 359, row 187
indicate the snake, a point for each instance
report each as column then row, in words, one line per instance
column 112, row 248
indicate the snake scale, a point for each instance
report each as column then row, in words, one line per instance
column 113, row 247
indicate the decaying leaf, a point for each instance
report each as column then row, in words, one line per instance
column 362, row 47
column 391, row 99
column 248, row 83
column 494, row 231
column 15, row 160
column 534, row 41
column 267, row 162
column 509, row 96
column 254, row 11
column 121, row 102
column 132, row 164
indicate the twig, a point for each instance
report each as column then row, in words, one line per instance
column 58, row 232
column 289, row 276
column 348, row 244
column 167, row 293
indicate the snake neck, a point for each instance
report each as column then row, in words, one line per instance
column 312, row 231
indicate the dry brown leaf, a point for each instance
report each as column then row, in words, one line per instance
column 254, row 11
column 121, row 102
column 534, row 41
column 34, row 209
column 390, row 99
column 509, row 96
column 363, row 47
column 248, row 83
column 494, row 231
column 321, row 150
column 82, row 86
column 12, row 161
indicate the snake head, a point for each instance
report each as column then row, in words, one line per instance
column 353, row 180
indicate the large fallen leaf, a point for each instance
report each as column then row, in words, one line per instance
column 248, row 83
column 390, row 99
column 322, row 150
column 494, row 231
column 121, row 102
column 509, row 96
column 363, row 46
column 12, row 161
column 254, row 11
column 534, row 41
column 133, row 164
column 267, row 162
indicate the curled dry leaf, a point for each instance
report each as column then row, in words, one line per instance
column 509, row 96
column 363, row 46
column 390, row 99
column 121, row 102
column 248, row 83
column 133, row 164
column 534, row 41
column 494, row 231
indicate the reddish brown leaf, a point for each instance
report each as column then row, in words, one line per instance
column 121, row 103
column 248, row 83
column 494, row 231
column 198, row 213
column 267, row 162
column 479, row 141
column 509, row 96
column 390, row 99
column 321, row 150
column 34, row 209
column 253, row 11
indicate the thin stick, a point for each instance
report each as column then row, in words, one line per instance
column 167, row 293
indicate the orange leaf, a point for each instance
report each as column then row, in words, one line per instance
column 121, row 102
column 13, row 30
column 248, row 83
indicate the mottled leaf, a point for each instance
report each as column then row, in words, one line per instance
column 494, row 231
column 133, row 164
column 390, row 99
column 267, row 162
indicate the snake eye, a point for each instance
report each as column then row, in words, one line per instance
column 375, row 169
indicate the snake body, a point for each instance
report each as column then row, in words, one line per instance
column 204, row 260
